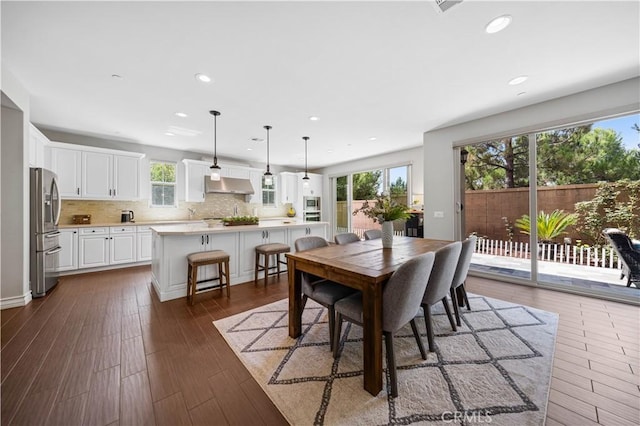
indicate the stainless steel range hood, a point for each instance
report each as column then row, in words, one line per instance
column 227, row 185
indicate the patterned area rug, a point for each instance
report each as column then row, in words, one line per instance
column 495, row 369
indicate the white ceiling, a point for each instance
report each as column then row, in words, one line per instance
column 389, row 70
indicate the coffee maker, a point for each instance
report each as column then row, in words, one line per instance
column 126, row 216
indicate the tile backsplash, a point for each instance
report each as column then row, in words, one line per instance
column 214, row 205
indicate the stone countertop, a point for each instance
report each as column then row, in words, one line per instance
column 136, row 223
column 202, row 228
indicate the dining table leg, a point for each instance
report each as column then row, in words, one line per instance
column 372, row 337
column 295, row 299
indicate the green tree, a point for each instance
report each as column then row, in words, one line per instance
column 163, row 172
column 501, row 163
column 566, row 156
column 398, row 188
column 615, row 205
column 582, row 155
column 366, row 185
column 341, row 188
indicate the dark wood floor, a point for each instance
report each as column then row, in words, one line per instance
column 102, row 350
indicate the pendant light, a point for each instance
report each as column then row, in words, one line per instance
column 215, row 169
column 305, row 179
column 268, row 177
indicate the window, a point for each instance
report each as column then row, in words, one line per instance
column 269, row 194
column 365, row 186
column 163, row 184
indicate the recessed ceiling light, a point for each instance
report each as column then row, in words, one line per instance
column 203, row 78
column 181, row 114
column 498, row 24
column 249, row 149
column 329, row 151
column 314, row 118
column 169, row 134
column 518, row 80
column 373, row 138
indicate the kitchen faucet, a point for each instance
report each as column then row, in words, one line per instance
column 235, row 210
column 192, row 212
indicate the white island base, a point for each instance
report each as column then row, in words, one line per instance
column 172, row 244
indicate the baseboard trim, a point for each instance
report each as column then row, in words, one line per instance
column 15, row 301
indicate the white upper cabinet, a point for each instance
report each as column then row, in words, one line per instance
column 37, row 142
column 126, row 177
column 289, row 187
column 94, row 173
column 67, row 164
column 97, row 169
column 195, row 171
column 314, row 188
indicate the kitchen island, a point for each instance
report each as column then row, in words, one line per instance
column 172, row 243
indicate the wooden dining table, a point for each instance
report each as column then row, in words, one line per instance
column 362, row 265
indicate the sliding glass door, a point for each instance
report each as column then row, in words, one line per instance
column 587, row 179
column 352, row 190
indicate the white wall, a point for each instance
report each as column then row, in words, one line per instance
column 441, row 162
column 14, row 194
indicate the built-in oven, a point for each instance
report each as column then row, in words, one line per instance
column 311, row 203
column 311, row 216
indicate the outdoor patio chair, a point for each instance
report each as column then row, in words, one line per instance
column 628, row 255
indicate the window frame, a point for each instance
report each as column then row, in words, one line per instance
column 174, row 184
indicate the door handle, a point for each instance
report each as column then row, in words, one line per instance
column 207, row 239
column 53, row 251
column 202, row 239
column 52, row 234
column 78, row 191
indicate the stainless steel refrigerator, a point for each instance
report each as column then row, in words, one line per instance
column 44, row 235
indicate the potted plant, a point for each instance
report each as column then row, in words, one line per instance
column 240, row 220
column 384, row 211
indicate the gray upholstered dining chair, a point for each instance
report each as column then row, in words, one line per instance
column 468, row 247
column 400, row 304
column 323, row 291
column 372, row 234
column 444, row 268
column 346, row 238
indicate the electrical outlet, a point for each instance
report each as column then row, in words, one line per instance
column 438, row 214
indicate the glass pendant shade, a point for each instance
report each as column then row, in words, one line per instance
column 268, row 177
column 215, row 169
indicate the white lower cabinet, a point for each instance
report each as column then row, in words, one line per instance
column 68, row 257
column 143, row 244
column 104, row 246
column 169, row 263
column 93, row 247
column 250, row 239
column 122, row 245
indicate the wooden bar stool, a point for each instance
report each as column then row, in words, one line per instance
column 203, row 258
column 266, row 251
